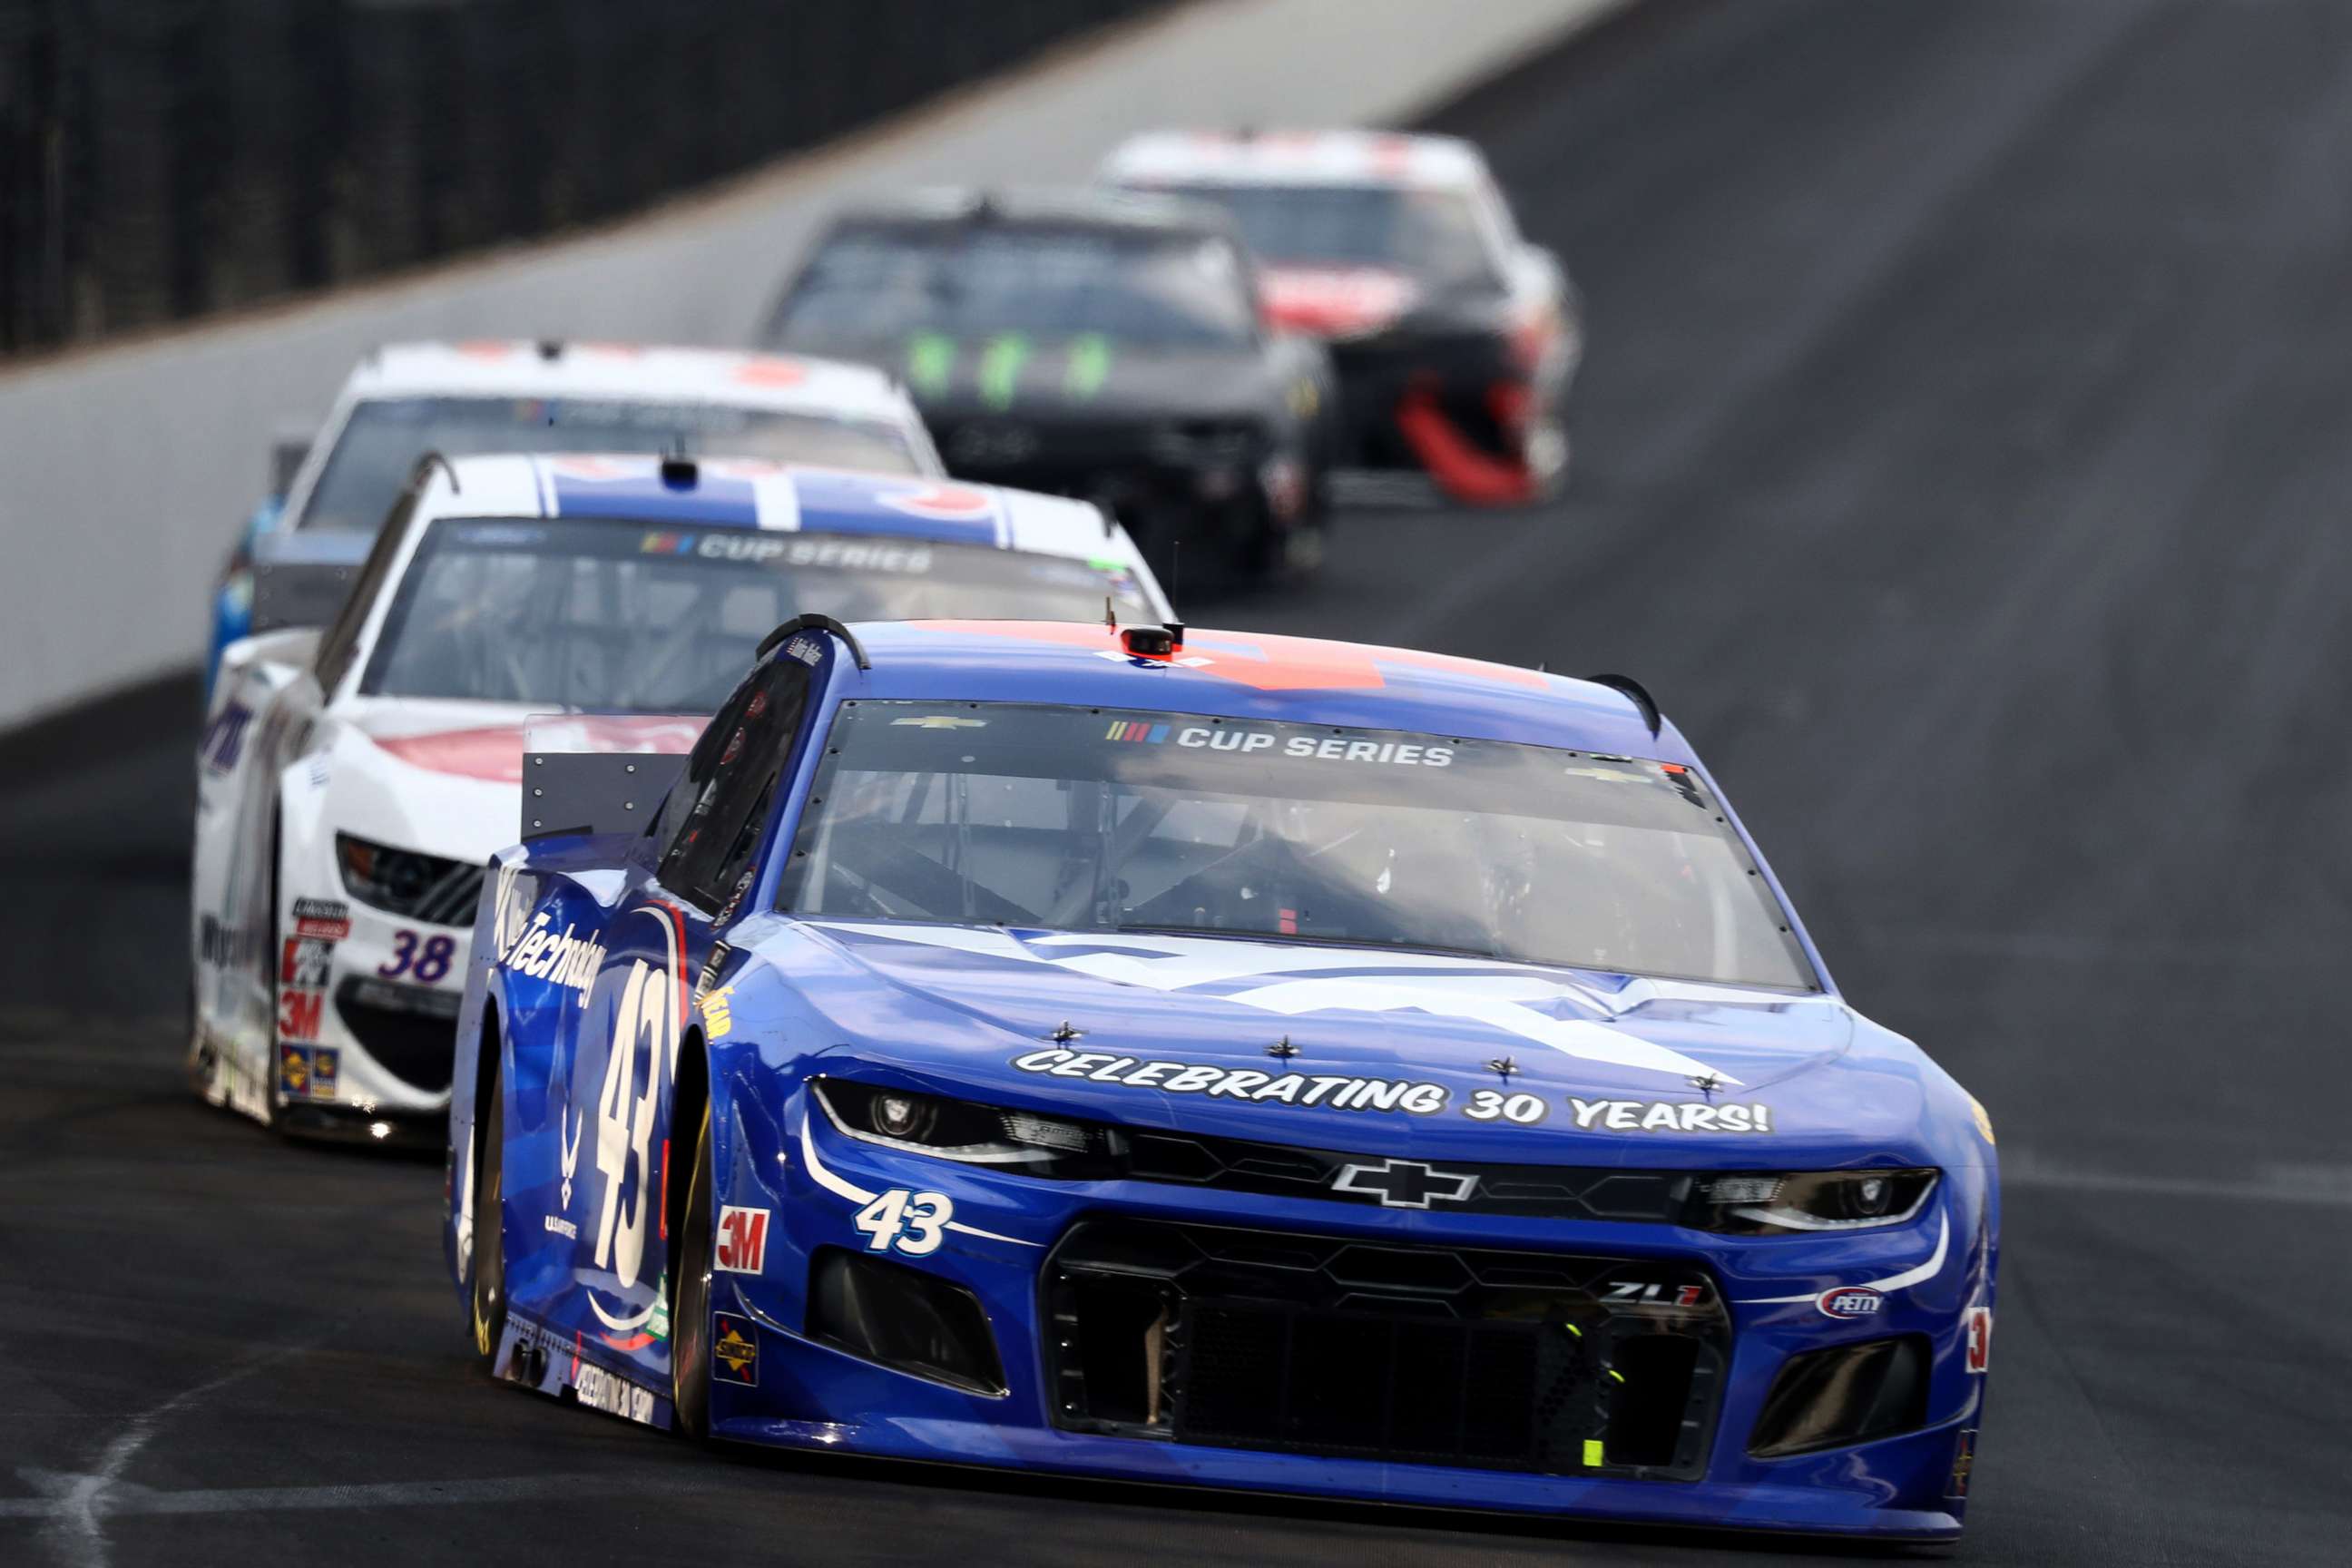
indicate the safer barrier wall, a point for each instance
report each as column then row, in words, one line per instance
column 125, row 471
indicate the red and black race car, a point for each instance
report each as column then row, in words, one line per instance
column 1454, row 338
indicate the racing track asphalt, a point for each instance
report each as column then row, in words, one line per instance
column 1962, row 458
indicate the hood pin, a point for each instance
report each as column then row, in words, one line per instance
column 1282, row 1048
column 1502, row 1064
column 1706, row 1083
column 1066, row 1034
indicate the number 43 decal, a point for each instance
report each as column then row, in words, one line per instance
column 911, row 1222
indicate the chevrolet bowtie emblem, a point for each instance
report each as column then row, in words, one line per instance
column 1406, row 1184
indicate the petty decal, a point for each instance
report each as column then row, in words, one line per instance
column 900, row 1221
column 308, row 1072
column 303, row 962
column 1667, row 1116
column 734, row 1350
column 743, row 1239
column 327, row 918
column 1310, row 748
column 1978, row 1325
column 615, row 1395
column 1851, row 1301
column 560, row 957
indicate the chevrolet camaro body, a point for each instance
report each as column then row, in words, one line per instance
column 498, row 396
column 351, row 787
column 1230, row 1060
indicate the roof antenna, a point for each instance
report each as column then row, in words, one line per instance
column 1175, row 569
column 678, row 465
column 1110, row 617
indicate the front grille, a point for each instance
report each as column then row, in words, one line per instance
column 1326, row 1345
column 411, row 1032
column 1526, row 1192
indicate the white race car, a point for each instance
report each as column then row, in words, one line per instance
column 353, row 783
column 408, row 399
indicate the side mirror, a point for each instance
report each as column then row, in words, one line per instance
column 291, row 444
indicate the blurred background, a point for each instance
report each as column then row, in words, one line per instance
column 1960, row 455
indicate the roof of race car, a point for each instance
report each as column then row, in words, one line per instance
column 727, row 492
column 501, row 368
column 1255, row 675
column 1090, row 207
column 1295, row 158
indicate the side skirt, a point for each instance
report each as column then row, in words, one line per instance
column 536, row 1357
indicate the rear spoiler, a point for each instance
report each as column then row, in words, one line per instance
column 600, row 772
column 301, row 579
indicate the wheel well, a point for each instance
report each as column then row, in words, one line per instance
column 486, row 1079
column 688, row 1097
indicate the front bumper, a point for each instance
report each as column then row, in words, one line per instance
column 1006, row 1244
column 366, row 1024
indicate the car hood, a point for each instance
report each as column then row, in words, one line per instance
column 1083, row 378
column 445, row 777
column 979, row 1009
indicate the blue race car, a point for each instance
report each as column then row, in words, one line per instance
column 1192, row 1057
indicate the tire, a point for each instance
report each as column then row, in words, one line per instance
column 488, row 1253
column 690, row 1317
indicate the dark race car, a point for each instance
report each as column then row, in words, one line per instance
column 1088, row 343
column 1454, row 338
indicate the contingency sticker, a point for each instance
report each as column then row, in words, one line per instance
column 308, row 1072
column 734, row 1350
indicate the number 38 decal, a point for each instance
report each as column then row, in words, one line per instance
column 911, row 1222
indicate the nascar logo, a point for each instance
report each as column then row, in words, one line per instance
column 1133, row 730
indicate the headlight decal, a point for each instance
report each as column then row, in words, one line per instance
column 842, row 1188
column 1909, row 1276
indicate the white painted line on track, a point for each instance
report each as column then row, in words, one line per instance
column 77, row 1504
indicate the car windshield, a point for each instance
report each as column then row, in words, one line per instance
column 377, row 451
column 621, row 617
column 892, row 281
column 1082, row 819
column 1430, row 234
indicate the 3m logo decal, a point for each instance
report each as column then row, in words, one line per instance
column 300, row 1014
column 734, row 1350
column 743, row 1239
column 1978, row 1325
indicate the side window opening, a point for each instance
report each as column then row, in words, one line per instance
column 716, row 812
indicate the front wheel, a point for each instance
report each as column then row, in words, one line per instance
column 489, row 1249
column 690, row 1332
